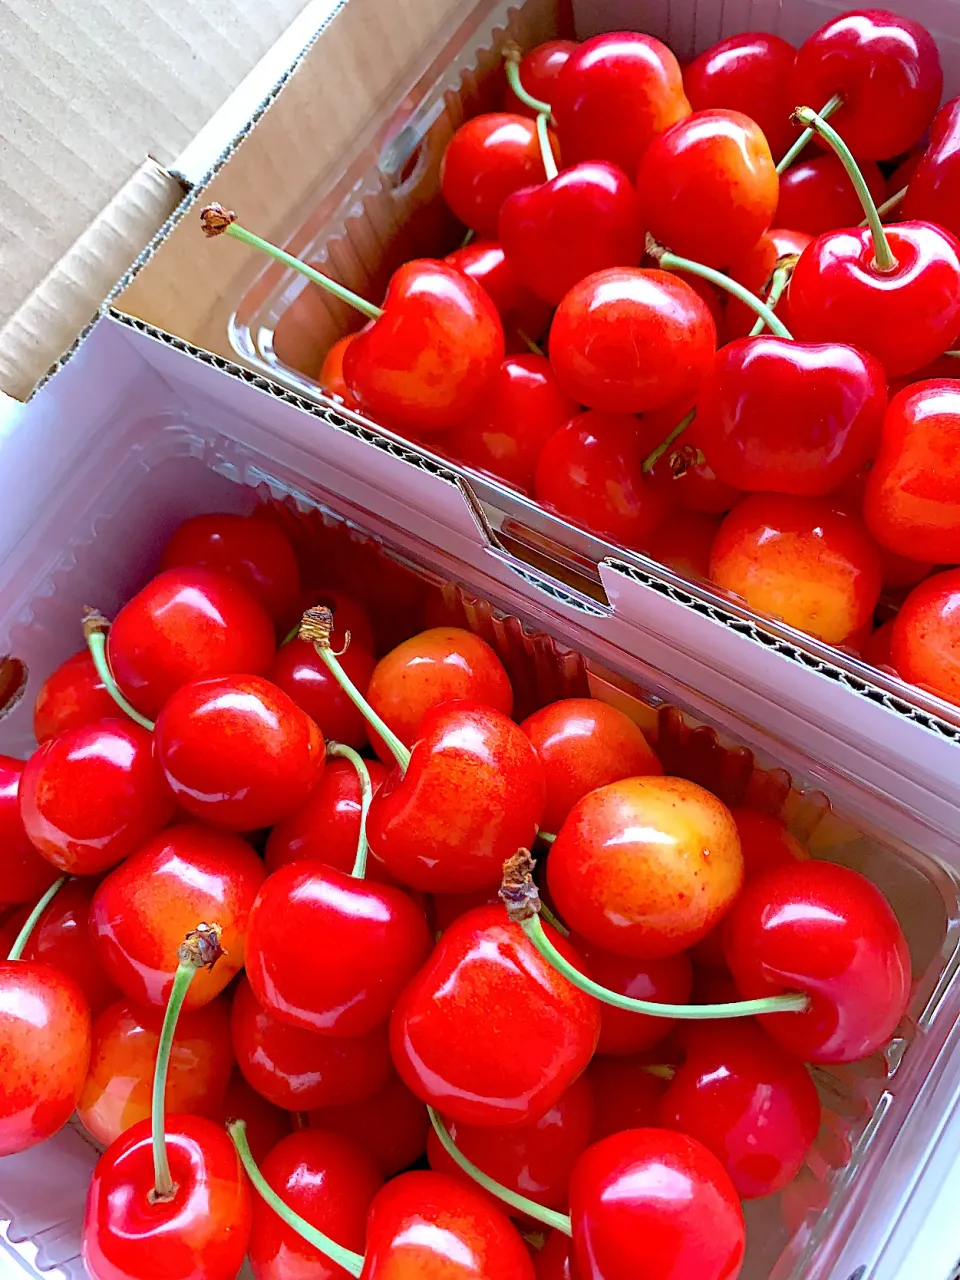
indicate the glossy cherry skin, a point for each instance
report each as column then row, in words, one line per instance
column 905, row 317
column 683, row 474
column 584, row 744
column 71, row 696
column 933, row 189
column 331, row 377
column 717, row 160
column 625, row 1095
column 266, row 1124
column 748, row 73
column 303, row 676
column 202, row 1231
column 238, row 752
column 116, row 1093
column 326, row 827
column 520, row 311
column 683, row 542
column 538, row 74
column 912, row 496
column 554, row 1261
column 648, row 1204
column 62, row 937
column 816, row 195
column 45, row 1032
column 489, row 1033
column 486, row 160
column 330, row 1182
column 144, row 909
column 375, row 938
column 584, row 220
column 250, row 549
column 754, row 269
column 24, row 874
column 628, row 340
column 614, row 95
column 525, row 407
column 645, row 867
column 93, row 795
column 299, row 1070
column 790, row 417
column 186, row 624
column 827, row 931
column 800, row 560
column 925, row 640
column 887, row 70
column 392, row 1125
column 429, row 358
column 748, row 1101
column 472, row 795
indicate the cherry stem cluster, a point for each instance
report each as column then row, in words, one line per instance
column 341, row 750
column 653, row 458
column 673, row 262
column 512, row 57
column 23, row 937
column 825, row 112
column 95, row 629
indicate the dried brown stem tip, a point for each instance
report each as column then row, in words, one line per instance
column 215, row 219
column 653, row 248
column 316, row 626
column 93, row 622
column 512, row 52
column 518, row 892
column 201, row 947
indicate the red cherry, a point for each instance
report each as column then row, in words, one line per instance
column 668, row 981
column 143, row 910
column 202, row 1231
column 826, row 930
column 392, row 1125
column 250, row 549
column 186, row 624
column 487, row 1032
column 748, row 73
column 683, row 542
column 648, row 1204
column 486, row 160
column 750, row 1103
column 520, row 310
column 887, row 70
column 816, row 195
column 933, row 189
column 625, row 1095
column 925, row 640
column 878, row 650
column 328, row 1181
column 614, row 95
column 538, row 74
column 93, row 795
column 331, row 377
column 299, row 1070
column 24, row 874
column 71, row 696
column 238, row 752
column 716, row 160
column 584, row 744
column 683, row 474
column 589, row 472
column 627, row 341
column 266, row 1124
column 62, row 937
column 326, row 827
column 754, row 270
column 300, row 673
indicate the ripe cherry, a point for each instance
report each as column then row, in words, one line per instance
column 877, row 651
column 521, row 312
column 933, row 189
column 326, row 827
column 554, row 1261
column 25, row 874
column 392, row 1125
column 925, row 640
column 816, row 195
column 331, row 377
column 303, row 677
column 755, row 271
column 626, row 1096
column 71, row 696
column 486, row 160
column 750, row 74
column 668, row 980
column 63, row 938
column 537, row 72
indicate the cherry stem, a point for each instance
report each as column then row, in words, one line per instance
column 23, row 937
column 672, row 262
column 341, row 750
column 199, row 950
column 549, row 1217
column 346, row 1258
column 546, row 151
column 215, row 221
column 660, row 1070
column 315, row 628
column 883, row 259
column 511, row 57
column 826, row 111
column 781, row 278
column 653, row 458
column 554, row 921
column 529, row 342
column 888, row 205
column 95, row 628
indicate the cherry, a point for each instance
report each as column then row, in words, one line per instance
column 554, row 1260
column 326, row 827
column 878, row 649
column 683, row 473
column 645, row 867
column 142, row 910
column 748, row 1101
column 626, row 1096
column 627, row 340
column 250, row 549
column 392, row 1125
column 71, row 696
column 186, row 624
column 933, row 190
column 755, row 271
column 62, row 937
column 238, row 752
column 816, row 195
column 828, row 931
column 801, row 560
column 300, row 674
column 584, row 744
column 648, row 1204
column 718, row 160
column 925, row 640
column 486, row 160
column 748, row 73
column 25, row 874
column 537, row 72
column 265, row 1123
column 117, row 1091
column 524, row 409
column 668, row 980
column 93, row 795
column 521, row 312
column 614, row 95
column 331, row 377
column 683, row 542
column 328, row 1181
column 299, row 1070
column 487, row 1031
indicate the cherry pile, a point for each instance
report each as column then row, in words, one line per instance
column 600, row 341
column 276, row 934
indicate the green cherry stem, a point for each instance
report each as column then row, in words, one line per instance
column 215, row 220
column 781, row 278
column 23, row 937
column 883, row 259
column 339, row 749
column 673, row 262
column 512, row 57
column 653, row 458
column 549, row 1217
column 826, row 111
column 346, row 1258
column 888, row 206
column 95, row 628
column 546, row 151
column 528, row 342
